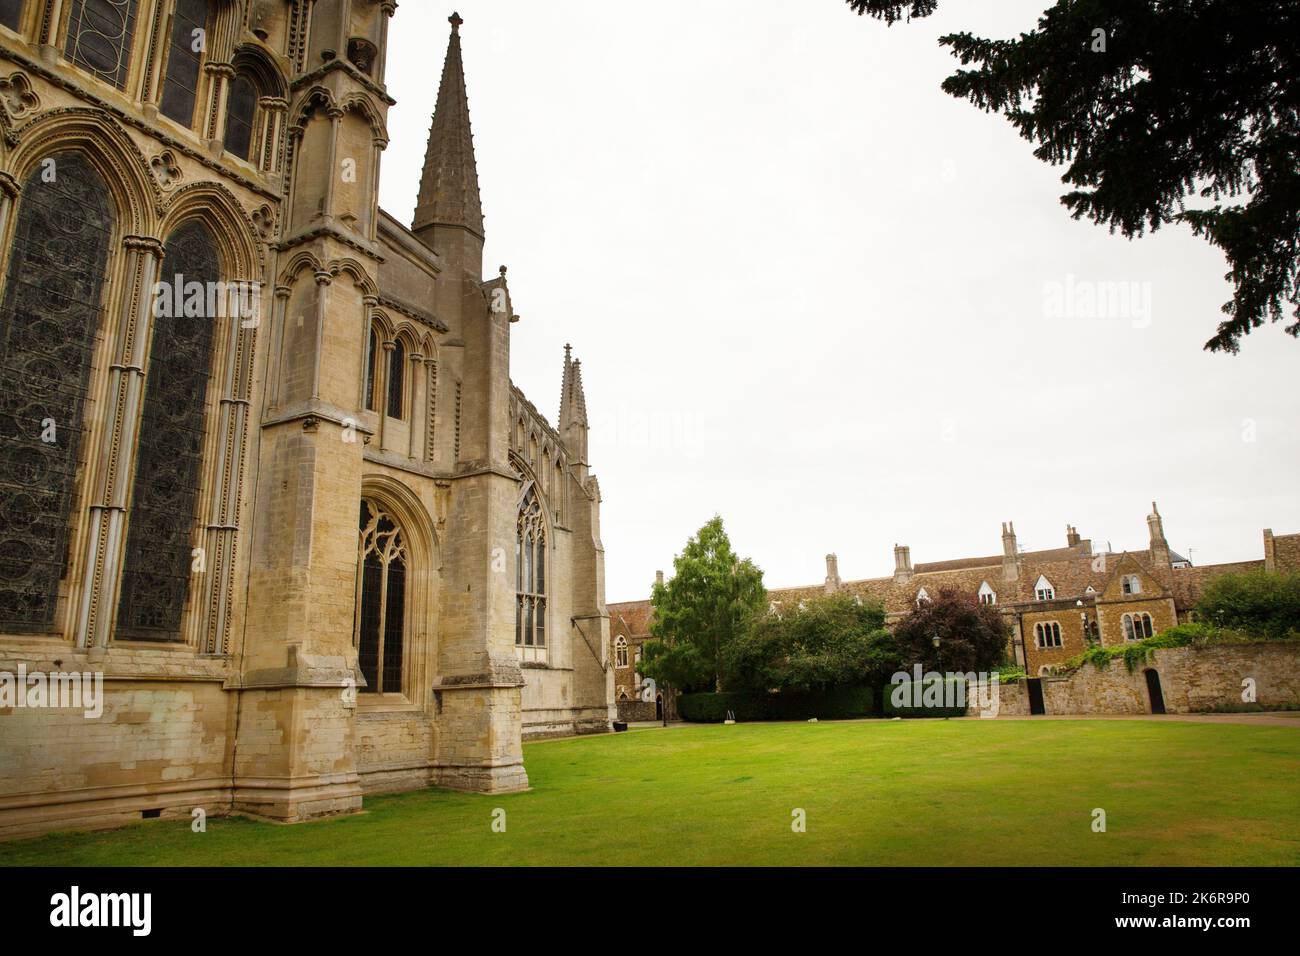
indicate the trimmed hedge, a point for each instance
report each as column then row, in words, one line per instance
column 887, row 699
column 839, row 703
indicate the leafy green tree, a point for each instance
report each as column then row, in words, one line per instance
column 1152, row 103
column 972, row 636
column 828, row 641
column 1257, row 602
column 698, row 613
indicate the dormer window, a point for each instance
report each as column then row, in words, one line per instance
column 1132, row 584
column 922, row 597
column 987, row 594
column 1044, row 590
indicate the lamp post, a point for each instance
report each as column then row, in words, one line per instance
column 935, row 641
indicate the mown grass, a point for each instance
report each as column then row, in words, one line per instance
column 917, row 792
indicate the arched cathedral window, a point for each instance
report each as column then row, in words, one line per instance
column 396, row 379
column 99, row 38
column 184, row 54
column 159, row 539
column 241, row 111
column 620, row 652
column 530, row 584
column 372, row 365
column 381, row 601
column 48, row 319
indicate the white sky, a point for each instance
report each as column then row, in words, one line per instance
column 809, row 292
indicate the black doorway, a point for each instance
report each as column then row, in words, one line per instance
column 659, row 708
column 1036, row 695
column 1153, row 691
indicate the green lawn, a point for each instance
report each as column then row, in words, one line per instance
column 929, row 792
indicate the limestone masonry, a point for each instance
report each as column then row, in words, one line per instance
column 317, row 543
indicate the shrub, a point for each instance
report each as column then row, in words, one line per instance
column 824, row 642
column 972, row 636
column 837, row 704
column 1010, row 673
column 1259, row 602
column 948, row 690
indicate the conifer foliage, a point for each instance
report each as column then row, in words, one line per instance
column 1162, row 111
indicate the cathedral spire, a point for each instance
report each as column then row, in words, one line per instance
column 573, row 401
column 449, row 193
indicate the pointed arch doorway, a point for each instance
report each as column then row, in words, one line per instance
column 1154, row 694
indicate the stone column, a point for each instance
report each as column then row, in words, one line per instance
column 223, row 508
column 478, row 688
column 431, row 408
column 116, row 453
column 418, row 408
column 275, row 110
column 214, row 110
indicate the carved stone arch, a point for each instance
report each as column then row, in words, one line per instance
column 527, row 480
column 360, row 277
column 252, row 60
column 360, row 103
column 315, row 97
column 409, row 511
column 383, row 323
column 409, row 338
column 242, row 255
column 297, row 264
column 107, row 148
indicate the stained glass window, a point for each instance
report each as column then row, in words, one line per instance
column 240, row 110
column 48, row 319
column 530, row 601
column 372, row 350
column 160, row 536
column 99, row 38
column 381, row 611
column 185, row 51
column 396, row 379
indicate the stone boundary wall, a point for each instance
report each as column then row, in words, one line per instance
column 636, row 710
column 1192, row 680
column 1013, row 700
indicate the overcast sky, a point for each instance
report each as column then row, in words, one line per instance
column 814, row 294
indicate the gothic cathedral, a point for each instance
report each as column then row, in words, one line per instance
column 263, row 470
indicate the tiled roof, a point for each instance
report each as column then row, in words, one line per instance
column 1071, row 572
column 631, row 618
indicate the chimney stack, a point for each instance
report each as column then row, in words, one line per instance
column 1010, row 552
column 832, row 574
column 659, row 579
column 1071, row 536
column 1159, row 546
column 902, row 563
